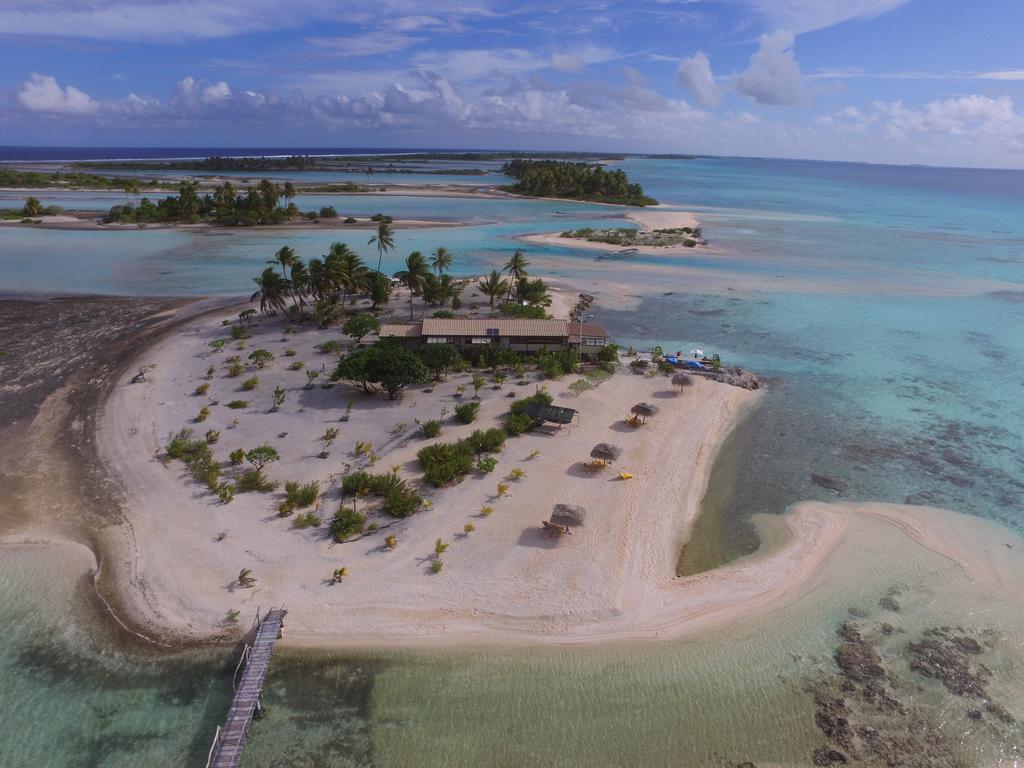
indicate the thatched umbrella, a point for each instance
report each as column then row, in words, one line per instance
column 568, row 514
column 682, row 380
column 605, row 451
column 643, row 410
column 553, row 530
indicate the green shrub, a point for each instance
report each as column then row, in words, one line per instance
column 235, row 369
column 226, row 492
column 346, row 523
column 301, row 495
column 486, row 464
column 486, row 441
column 179, row 445
column 296, row 366
column 523, row 310
column 237, row 456
column 609, row 353
column 238, row 404
column 238, row 332
column 251, row 383
column 202, row 389
column 430, row 429
column 444, row 463
column 466, row 412
column 306, row 520
column 204, row 412
column 517, row 423
column 401, row 502
column 331, row 347
column 254, row 480
column 212, row 436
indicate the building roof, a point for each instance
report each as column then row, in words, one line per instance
column 590, row 331
column 399, row 330
column 507, row 326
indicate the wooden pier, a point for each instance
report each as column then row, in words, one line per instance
column 229, row 739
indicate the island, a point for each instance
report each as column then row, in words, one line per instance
column 574, row 181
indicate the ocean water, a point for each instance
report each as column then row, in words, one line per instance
column 884, row 306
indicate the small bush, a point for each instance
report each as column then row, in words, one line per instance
column 235, row 369
column 401, row 502
column 296, row 366
column 486, row 511
column 202, row 389
column 238, row 404
column 251, row 383
column 466, row 412
column 444, row 463
column 486, row 464
column 430, row 429
column 212, row 436
column 306, row 520
column 204, row 412
column 225, row 493
column 517, row 423
column 237, row 456
column 331, row 347
column 346, row 523
column 290, row 353
column 301, row 495
column 254, row 480
column 486, row 441
column 436, row 566
column 238, row 332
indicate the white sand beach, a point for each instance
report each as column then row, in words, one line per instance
column 646, row 220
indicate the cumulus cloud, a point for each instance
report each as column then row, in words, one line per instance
column 695, row 75
column 42, row 93
column 774, row 77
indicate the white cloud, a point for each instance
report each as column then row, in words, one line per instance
column 695, row 75
column 477, row 63
column 218, row 92
column 808, row 15
column 369, row 44
column 42, row 93
column 774, row 76
column 1006, row 74
column 577, row 59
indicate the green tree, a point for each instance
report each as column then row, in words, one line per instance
column 394, row 368
column 493, row 285
column 358, row 326
column 289, row 192
column 380, row 289
column 285, row 258
column 516, row 268
column 414, row 276
column 353, row 367
column 439, row 358
column 32, row 207
column 272, row 291
column 384, row 240
column 262, row 455
column 441, row 260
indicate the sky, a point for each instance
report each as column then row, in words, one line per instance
column 898, row 81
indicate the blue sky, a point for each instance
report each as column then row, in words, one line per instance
column 911, row 81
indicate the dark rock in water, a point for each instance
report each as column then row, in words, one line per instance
column 974, row 714
column 857, row 658
column 1000, row 712
column 828, row 756
column 890, row 604
column 830, row 483
column 942, row 656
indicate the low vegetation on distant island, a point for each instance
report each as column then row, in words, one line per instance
column 574, row 181
column 11, row 177
column 631, row 236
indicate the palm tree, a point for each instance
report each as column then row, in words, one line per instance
column 516, row 268
column 345, row 270
column 299, row 281
column 285, row 256
column 319, row 281
column 272, row 291
column 493, row 285
column 289, row 192
column 384, row 240
column 441, row 260
column 414, row 275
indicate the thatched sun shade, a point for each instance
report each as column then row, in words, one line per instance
column 644, row 409
column 606, row 451
column 568, row 514
column 682, row 380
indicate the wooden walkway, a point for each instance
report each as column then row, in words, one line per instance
column 230, row 739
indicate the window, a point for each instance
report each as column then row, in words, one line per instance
column 492, row 332
column 438, row 340
column 479, row 340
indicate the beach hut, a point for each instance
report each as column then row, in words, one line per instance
column 606, row 451
column 643, row 411
column 681, row 380
column 568, row 514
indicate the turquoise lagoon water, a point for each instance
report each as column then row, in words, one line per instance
column 897, row 392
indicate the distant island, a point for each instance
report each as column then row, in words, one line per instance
column 688, row 237
column 215, row 164
column 18, row 179
column 574, row 181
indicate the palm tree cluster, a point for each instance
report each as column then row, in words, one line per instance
column 579, row 181
column 430, row 281
column 327, row 281
column 226, row 206
column 517, row 286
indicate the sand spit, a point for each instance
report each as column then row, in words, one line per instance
column 646, row 220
